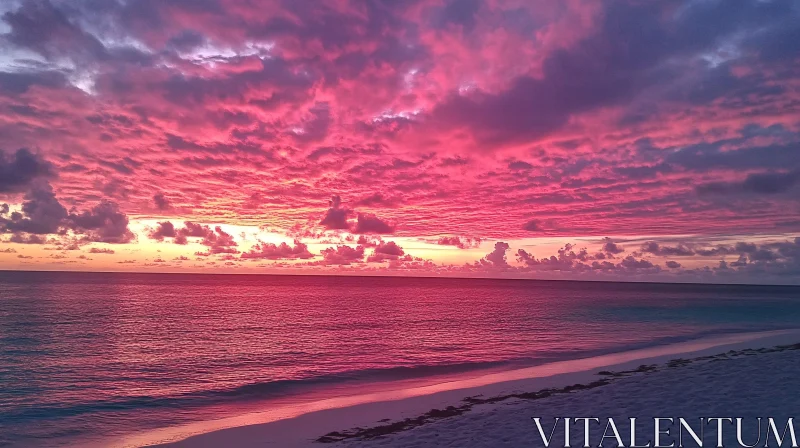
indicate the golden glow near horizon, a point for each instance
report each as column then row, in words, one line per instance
column 149, row 255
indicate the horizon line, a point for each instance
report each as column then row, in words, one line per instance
column 363, row 275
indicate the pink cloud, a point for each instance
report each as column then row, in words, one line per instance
column 497, row 119
column 270, row 251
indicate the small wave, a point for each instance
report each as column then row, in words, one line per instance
column 276, row 388
column 252, row 391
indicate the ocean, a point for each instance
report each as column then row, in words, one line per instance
column 96, row 357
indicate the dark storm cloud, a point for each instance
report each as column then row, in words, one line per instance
column 186, row 40
column 386, row 251
column 315, row 128
column 610, row 247
column 534, row 225
column 42, row 28
column 770, row 183
column 342, row 255
column 757, row 183
column 19, row 170
column 103, row 223
column 454, row 162
column 519, row 165
column 21, row 238
column 161, row 201
column 459, row 242
column 632, row 263
column 497, row 257
column 624, row 58
column 667, row 251
column 163, row 230
column 186, row 91
column 336, row 216
column 20, row 82
column 570, row 261
column 705, row 157
column 368, row 223
column 459, row 12
column 567, row 259
column 643, row 171
column 217, row 240
column 778, row 42
column 41, row 213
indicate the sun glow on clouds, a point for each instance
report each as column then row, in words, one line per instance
column 390, row 116
column 601, row 139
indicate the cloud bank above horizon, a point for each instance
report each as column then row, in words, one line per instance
column 584, row 139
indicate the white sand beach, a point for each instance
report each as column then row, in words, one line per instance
column 746, row 385
column 741, row 375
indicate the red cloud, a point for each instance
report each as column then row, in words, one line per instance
column 496, row 119
column 270, row 251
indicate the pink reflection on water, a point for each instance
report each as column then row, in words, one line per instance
column 399, row 390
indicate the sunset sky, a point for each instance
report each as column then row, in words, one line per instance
column 580, row 139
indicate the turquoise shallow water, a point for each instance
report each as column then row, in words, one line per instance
column 91, row 356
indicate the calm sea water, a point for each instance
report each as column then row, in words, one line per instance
column 87, row 357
